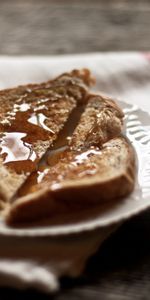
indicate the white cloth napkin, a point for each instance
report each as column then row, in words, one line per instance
column 40, row 261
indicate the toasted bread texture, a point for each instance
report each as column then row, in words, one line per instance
column 88, row 162
column 79, row 179
column 31, row 118
column 101, row 121
column 95, row 166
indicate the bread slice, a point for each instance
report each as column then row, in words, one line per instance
column 96, row 165
column 101, row 121
column 31, row 118
column 79, row 179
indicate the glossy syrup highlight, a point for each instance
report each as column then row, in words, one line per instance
column 21, row 128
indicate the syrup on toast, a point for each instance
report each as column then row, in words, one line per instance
column 78, row 180
column 31, row 118
column 93, row 165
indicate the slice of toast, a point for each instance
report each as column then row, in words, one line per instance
column 77, row 181
column 31, row 118
column 96, row 165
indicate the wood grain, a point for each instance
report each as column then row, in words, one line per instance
column 57, row 27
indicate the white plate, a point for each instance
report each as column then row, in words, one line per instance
column 138, row 131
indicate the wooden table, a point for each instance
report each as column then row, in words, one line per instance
column 73, row 26
column 121, row 269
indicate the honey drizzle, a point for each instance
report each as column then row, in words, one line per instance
column 52, row 156
column 20, row 129
column 80, row 163
column 29, row 118
column 62, row 164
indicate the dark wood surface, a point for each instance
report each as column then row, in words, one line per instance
column 121, row 269
column 73, row 26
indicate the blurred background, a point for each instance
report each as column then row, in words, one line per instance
column 73, row 26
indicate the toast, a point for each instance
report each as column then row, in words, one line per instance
column 95, row 164
column 31, row 117
column 78, row 180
